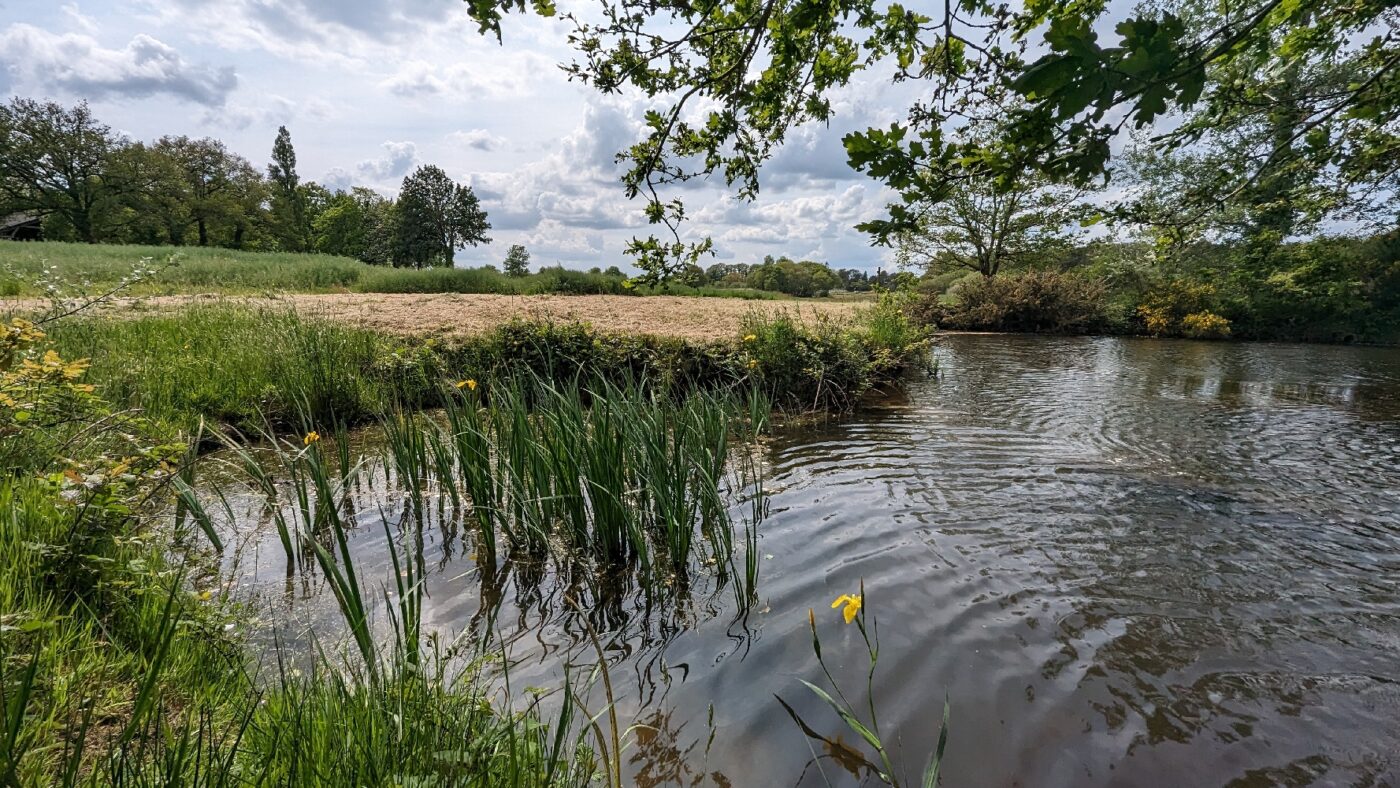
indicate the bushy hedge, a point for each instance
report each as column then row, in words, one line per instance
column 1033, row 301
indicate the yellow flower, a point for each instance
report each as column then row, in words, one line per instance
column 468, row 383
column 852, row 603
column 750, row 337
column 753, row 362
column 311, row 437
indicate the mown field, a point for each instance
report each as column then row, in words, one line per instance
column 463, row 315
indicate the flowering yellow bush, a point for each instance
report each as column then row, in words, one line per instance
column 1157, row 319
column 1183, row 308
column 1205, row 325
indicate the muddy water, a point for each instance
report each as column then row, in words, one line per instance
column 1123, row 562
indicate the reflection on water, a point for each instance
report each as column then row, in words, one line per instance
column 1125, row 562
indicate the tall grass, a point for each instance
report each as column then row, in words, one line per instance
column 112, row 672
column 233, row 364
column 244, row 366
column 234, row 272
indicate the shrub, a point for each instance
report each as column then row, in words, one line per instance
column 1205, row 325
column 1181, row 307
column 1034, row 301
column 566, row 281
column 433, row 280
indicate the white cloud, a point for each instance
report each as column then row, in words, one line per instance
column 385, row 171
column 479, row 139
column 76, row 64
column 82, row 22
column 496, row 78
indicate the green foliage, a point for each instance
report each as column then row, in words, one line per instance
column 291, row 224
column 119, row 667
column 233, row 272
column 1033, row 301
column 989, row 225
column 828, row 366
column 248, row 367
column 1318, row 77
column 358, row 224
column 805, row 278
column 517, row 261
column 55, row 161
column 115, row 671
column 435, row 218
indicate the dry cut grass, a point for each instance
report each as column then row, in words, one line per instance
column 464, row 315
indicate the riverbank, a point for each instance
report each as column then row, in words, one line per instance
column 120, row 662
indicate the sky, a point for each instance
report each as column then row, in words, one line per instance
column 371, row 89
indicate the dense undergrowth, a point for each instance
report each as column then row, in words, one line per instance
column 119, row 665
column 1325, row 290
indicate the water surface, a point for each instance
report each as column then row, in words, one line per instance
column 1124, row 562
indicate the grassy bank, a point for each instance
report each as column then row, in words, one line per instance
column 213, row 270
column 118, row 665
column 245, row 365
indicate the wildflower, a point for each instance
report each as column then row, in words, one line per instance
column 311, row 437
column 750, row 337
column 469, row 383
column 753, row 362
column 852, row 603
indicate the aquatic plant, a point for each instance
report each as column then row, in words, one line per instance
column 864, row 724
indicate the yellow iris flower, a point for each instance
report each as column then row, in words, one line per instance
column 852, row 603
column 751, row 337
column 468, row 383
column 311, row 437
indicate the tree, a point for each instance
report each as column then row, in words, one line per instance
column 212, row 178
column 381, row 231
column 56, row 162
column 782, row 275
column 1186, row 67
column 985, row 228
column 155, row 203
column 517, row 261
column 435, row 218
column 352, row 224
column 289, row 216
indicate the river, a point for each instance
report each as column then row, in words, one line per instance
column 1123, row 562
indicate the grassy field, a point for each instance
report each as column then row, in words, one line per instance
column 96, row 267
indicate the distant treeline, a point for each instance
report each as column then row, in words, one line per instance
column 75, row 179
column 84, row 182
column 803, row 278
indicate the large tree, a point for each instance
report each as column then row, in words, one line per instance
column 155, row 204
column 56, row 162
column 213, row 179
column 436, row 217
column 290, row 222
column 353, row 224
column 733, row 76
column 985, row 228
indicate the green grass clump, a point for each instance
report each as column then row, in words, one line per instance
column 248, row 366
column 234, row 364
